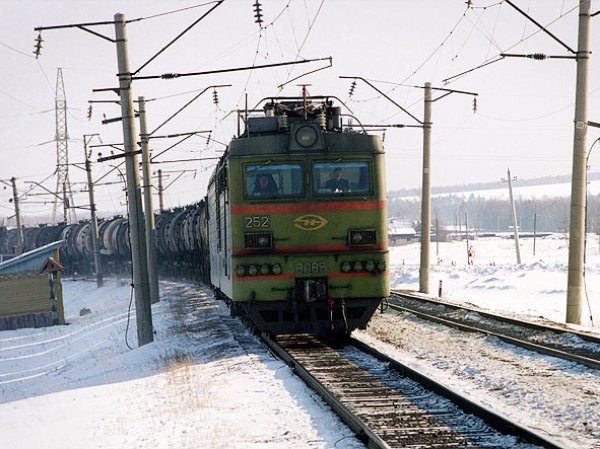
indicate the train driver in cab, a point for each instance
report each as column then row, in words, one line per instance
column 265, row 185
column 337, row 183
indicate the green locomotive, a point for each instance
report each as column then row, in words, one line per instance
column 297, row 224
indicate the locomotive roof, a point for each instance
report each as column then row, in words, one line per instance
column 302, row 125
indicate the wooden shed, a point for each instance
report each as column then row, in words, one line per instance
column 31, row 290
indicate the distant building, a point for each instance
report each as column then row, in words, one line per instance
column 401, row 232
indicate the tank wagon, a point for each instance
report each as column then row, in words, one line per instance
column 292, row 233
column 297, row 220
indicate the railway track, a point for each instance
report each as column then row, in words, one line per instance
column 550, row 340
column 389, row 405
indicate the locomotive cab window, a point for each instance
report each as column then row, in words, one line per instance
column 273, row 180
column 341, row 178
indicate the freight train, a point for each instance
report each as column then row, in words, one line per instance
column 292, row 233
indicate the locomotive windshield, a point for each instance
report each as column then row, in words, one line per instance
column 348, row 177
column 273, row 180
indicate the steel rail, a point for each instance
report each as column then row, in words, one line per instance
column 493, row 418
column 422, row 297
column 540, row 348
column 360, row 429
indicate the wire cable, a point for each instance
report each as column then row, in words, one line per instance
column 175, row 11
column 585, row 238
column 310, row 27
column 16, row 51
column 500, row 58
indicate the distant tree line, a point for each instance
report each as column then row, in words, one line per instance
column 498, row 184
column 495, row 215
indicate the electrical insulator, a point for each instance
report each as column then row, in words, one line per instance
column 89, row 112
column 208, row 139
column 38, row 45
column 258, row 12
column 215, row 97
column 474, row 104
column 537, row 56
column 352, row 87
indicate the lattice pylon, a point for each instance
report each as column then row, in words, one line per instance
column 63, row 185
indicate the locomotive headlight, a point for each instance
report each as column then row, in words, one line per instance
column 358, row 266
column 264, row 269
column 306, row 136
column 346, row 267
column 369, row 265
column 276, row 269
column 362, row 237
column 240, row 270
column 381, row 265
column 258, row 240
column 252, row 270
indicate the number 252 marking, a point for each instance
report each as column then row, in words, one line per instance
column 258, row 222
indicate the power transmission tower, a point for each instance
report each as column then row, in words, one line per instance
column 62, row 154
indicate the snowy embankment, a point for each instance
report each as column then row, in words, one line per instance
column 206, row 382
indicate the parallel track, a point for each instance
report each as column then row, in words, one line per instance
column 389, row 405
column 550, row 340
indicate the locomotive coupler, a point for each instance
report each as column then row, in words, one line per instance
column 311, row 290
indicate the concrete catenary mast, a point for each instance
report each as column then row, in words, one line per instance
column 575, row 282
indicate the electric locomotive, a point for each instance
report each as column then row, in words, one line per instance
column 297, row 220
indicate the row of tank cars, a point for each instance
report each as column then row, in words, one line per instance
column 292, row 232
column 179, row 242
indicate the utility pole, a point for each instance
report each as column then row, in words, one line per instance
column 467, row 238
column 65, row 199
column 575, row 281
column 534, row 230
column 161, row 204
column 95, row 231
column 21, row 240
column 514, row 215
column 426, row 194
column 136, row 218
column 148, row 206
column 426, row 124
column 162, row 187
column 437, row 238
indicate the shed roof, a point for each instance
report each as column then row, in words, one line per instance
column 31, row 260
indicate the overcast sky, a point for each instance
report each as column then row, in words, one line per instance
column 524, row 114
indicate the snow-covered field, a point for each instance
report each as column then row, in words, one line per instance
column 205, row 382
column 536, row 287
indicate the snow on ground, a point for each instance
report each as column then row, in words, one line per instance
column 206, row 382
column 535, row 288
